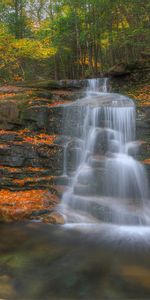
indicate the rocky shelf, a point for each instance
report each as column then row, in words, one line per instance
column 32, row 149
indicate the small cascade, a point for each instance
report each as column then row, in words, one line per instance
column 106, row 184
column 99, row 85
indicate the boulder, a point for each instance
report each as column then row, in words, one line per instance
column 120, row 69
column 54, row 218
column 103, row 137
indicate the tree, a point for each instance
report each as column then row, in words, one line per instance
column 76, row 39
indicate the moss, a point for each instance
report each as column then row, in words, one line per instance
column 43, row 84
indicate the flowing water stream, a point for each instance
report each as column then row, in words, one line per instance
column 107, row 184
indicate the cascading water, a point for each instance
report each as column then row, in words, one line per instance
column 107, row 184
column 97, row 85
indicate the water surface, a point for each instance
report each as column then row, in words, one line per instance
column 43, row 262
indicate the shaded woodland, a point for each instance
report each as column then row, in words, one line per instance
column 64, row 39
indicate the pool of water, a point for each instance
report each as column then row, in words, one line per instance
column 78, row 261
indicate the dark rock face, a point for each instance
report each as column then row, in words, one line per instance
column 37, row 116
column 26, row 166
column 43, row 117
column 26, row 162
column 26, row 155
column 19, row 151
column 9, row 114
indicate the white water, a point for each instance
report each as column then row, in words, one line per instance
column 97, row 85
column 108, row 184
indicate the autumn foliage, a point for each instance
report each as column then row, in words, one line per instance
column 20, row 205
column 25, row 135
column 142, row 95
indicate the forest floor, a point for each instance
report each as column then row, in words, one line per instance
column 141, row 94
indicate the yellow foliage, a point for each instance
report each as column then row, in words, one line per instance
column 33, row 48
column 105, row 43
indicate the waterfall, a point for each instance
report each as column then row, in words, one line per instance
column 107, row 184
column 97, row 85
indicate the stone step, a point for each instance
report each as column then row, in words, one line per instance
column 76, row 216
column 108, row 210
column 84, row 190
column 97, row 161
column 63, row 180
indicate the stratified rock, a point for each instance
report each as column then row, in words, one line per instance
column 9, row 114
column 29, row 155
column 44, row 94
column 49, row 118
column 37, row 116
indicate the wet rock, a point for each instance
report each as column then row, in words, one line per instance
column 60, row 189
column 85, row 176
column 138, row 149
column 99, row 180
column 73, row 158
column 85, row 190
column 62, row 180
column 54, row 218
column 101, row 143
column 104, row 211
column 114, row 146
column 97, row 161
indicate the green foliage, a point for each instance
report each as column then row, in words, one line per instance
column 70, row 39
